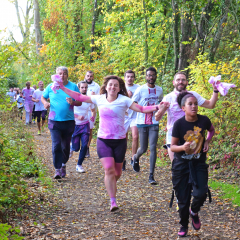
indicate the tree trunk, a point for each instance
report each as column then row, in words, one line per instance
column 218, row 34
column 93, row 30
column 185, row 45
column 37, row 27
column 146, row 31
column 176, row 19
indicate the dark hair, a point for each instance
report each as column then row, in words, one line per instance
column 151, row 69
column 122, row 86
column 79, row 84
column 129, row 71
column 178, row 73
column 90, row 72
column 182, row 97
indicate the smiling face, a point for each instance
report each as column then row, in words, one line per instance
column 180, row 82
column 113, row 87
column 190, row 107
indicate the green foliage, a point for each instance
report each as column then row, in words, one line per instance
column 7, row 232
column 227, row 191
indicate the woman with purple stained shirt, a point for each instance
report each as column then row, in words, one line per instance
column 112, row 103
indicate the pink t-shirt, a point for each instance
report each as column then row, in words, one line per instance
column 27, row 93
column 174, row 112
column 112, row 116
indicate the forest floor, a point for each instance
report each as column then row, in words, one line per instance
column 78, row 208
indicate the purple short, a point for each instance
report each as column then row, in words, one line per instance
column 115, row 148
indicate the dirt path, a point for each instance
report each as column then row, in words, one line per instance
column 82, row 209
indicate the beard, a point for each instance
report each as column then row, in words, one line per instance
column 181, row 87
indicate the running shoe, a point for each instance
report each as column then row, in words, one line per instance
column 57, row 174
column 196, row 223
column 80, row 169
column 87, row 155
column 183, row 231
column 113, row 207
column 71, row 153
column 63, row 171
column 34, row 122
column 151, row 180
column 131, row 161
column 124, row 165
column 135, row 165
column 39, row 132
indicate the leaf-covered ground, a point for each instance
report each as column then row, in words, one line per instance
column 79, row 209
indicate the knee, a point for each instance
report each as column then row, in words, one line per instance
column 109, row 171
column 135, row 138
column 56, row 146
column 153, row 148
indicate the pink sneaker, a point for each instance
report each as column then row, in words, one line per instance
column 196, row 223
column 113, row 207
column 183, row 231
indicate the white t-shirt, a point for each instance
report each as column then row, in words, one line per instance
column 130, row 112
column 174, row 112
column 93, row 87
column 112, row 115
column 11, row 95
column 82, row 111
column 146, row 96
column 37, row 95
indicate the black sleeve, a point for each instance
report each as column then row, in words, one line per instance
column 175, row 131
column 208, row 123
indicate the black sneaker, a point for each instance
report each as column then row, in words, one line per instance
column 183, row 231
column 124, row 165
column 87, row 155
column 151, row 180
column 135, row 165
column 196, row 223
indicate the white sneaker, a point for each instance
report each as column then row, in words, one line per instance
column 71, row 153
column 80, row 169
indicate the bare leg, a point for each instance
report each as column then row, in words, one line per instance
column 90, row 137
column 43, row 121
column 134, row 140
column 39, row 126
column 170, row 154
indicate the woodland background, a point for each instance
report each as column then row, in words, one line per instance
column 109, row 37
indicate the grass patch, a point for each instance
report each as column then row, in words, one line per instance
column 227, row 191
column 162, row 162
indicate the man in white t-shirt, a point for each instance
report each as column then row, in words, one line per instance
column 130, row 118
column 40, row 111
column 93, row 89
column 11, row 94
column 147, row 95
column 82, row 127
column 174, row 112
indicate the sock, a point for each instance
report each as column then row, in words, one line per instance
column 63, row 164
column 194, row 214
column 113, row 199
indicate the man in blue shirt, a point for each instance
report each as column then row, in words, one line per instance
column 61, row 121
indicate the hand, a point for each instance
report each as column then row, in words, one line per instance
column 164, row 105
column 93, row 93
column 46, row 105
column 206, row 146
column 130, row 93
column 79, row 117
column 37, row 100
column 30, row 95
column 92, row 118
column 186, row 146
column 69, row 100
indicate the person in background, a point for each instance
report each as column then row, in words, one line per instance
column 11, row 94
column 60, row 120
column 93, row 89
column 28, row 104
column 33, row 112
column 20, row 104
column 130, row 118
column 82, row 127
column 40, row 111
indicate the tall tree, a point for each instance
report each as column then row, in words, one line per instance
column 93, row 30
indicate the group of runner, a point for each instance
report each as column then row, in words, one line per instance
column 124, row 105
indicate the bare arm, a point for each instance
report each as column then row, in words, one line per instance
column 35, row 100
column 93, row 111
column 148, row 109
column 176, row 148
column 45, row 102
column 77, row 96
column 73, row 103
column 212, row 102
column 210, row 134
column 159, row 114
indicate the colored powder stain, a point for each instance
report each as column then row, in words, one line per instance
column 52, row 115
column 71, row 107
column 111, row 124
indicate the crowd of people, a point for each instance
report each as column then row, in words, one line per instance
column 124, row 106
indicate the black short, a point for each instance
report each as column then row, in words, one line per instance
column 115, row 148
column 40, row 114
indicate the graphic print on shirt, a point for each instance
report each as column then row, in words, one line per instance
column 196, row 139
column 151, row 102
